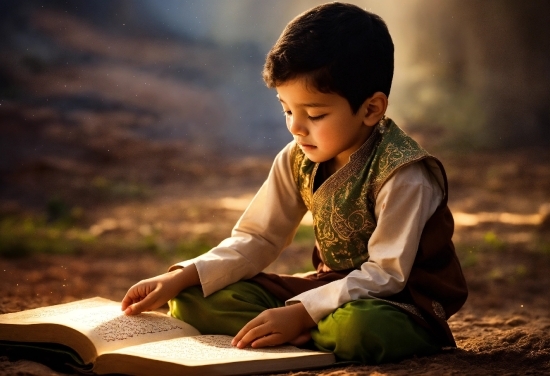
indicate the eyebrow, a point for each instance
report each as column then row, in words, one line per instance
column 306, row 104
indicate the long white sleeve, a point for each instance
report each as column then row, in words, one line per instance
column 403, row 206
column 267, row 226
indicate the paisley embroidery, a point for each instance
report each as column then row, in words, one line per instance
column 356, row 222
column 343, row 206
column 396, row 156
column 439, row 310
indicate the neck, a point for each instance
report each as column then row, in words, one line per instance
column 341, row 160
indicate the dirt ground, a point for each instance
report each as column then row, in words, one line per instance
column 502, row 237
column 89, row 207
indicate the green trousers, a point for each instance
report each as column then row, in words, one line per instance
column 367, row 330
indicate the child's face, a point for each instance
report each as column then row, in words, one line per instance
column 322, row 124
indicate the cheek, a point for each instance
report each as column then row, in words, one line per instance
column 326, row 135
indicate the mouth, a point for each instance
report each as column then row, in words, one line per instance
column 305, row 146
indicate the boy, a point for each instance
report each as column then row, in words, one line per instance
column 387, row 277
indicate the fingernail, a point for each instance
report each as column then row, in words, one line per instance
column 128, row 311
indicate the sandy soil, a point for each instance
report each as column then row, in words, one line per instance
column 503, row 328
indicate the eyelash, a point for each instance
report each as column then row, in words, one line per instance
column 315, row 118
column 312, row 118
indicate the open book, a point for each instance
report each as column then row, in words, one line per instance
column 107, row 341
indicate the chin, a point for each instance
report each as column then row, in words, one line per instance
column 314, row 158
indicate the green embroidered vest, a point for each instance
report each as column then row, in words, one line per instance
column 343, row 206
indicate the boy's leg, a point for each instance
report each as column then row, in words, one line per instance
column 225, row 311
column 372, row 331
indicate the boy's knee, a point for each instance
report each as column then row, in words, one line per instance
column 186, row 301
column 373, row 332
column 345, row 331
column 224, row 312
column 210, row 315
column 192, row 300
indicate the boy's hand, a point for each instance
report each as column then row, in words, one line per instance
column 152, row 293
column 276, row 326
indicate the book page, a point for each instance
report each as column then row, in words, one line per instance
column 212, row 349
column 103, row 322
column 44, row 313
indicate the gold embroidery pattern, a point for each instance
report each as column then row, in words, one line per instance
column 344, row 236
column 347, row 175
column 346, row 228
column 439, row 310
column 343, row 206
column 303, row 173
column 400, row 150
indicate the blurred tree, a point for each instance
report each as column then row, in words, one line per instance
column 490, row 70
column 477, row 69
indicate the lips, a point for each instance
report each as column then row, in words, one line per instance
column 303, row 145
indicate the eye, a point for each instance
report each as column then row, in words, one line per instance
column 315, row 118
column 287, row 113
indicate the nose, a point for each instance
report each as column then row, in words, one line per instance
column 295, row 126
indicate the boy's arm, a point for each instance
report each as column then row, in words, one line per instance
column 266, row 227
column 403, row 206
column 152, row 293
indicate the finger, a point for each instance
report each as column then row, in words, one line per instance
column 136, row 293
column 254, row 334
column 128, row 300
column 148, row 303
column 273, row 339
column 245, row 329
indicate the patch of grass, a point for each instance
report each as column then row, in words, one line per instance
column 541, row 245
column 305, row 235
column 61, row 213
column 192, row 248
column 544, row 248
column 467, row 255
column 496, row 274
column 509, row 274
column 22, row 237
column 183, row 250
column 521, row 271
column 150, row 243
column 58, row 210
column 119, row 189
column 301, row 265
column 54, row 232
column 492, row 241
column 518, row 273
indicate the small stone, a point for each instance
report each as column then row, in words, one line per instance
column 516, row 321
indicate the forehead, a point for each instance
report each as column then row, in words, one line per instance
column 298, row 93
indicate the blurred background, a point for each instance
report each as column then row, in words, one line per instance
column 475, row 71
column 143, row 128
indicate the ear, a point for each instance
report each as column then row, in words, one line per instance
column 374, row 108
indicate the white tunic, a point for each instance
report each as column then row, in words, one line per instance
column 403, row 206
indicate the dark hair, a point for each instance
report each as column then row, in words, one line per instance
column 339, row 48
